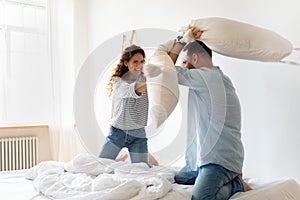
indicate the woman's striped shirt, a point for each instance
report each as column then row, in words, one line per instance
column 130, row 111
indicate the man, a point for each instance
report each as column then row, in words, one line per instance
column 215, row 153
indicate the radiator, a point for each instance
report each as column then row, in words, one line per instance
column 18, row 153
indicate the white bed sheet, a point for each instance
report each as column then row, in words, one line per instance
column 284, row 189
column 14, row 185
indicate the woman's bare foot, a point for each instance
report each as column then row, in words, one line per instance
column 122, row 157
column 152, row 160
column 245, row 185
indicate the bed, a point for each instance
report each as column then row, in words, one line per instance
column 88, row 177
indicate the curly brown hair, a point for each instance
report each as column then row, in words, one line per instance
column 121, row 69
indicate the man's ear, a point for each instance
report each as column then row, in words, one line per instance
column 126, row 63
column 195, row 58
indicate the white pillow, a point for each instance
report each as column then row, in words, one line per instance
column 241, row 40
column 163, row 87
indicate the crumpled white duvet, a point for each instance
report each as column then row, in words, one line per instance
column 90, row 177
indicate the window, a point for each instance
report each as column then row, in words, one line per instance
column 25, row 79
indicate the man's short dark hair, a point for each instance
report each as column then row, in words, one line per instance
column 197, row 47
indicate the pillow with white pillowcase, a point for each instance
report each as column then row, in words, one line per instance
column 241, row 40
column 162, row 84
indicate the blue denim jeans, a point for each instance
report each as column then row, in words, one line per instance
column 117, row 139
column 211, row 182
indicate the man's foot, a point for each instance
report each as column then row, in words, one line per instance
column 245, row 185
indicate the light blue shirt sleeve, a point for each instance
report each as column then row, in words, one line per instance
column 192, row 78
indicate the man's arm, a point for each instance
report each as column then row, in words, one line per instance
column 193, row 33
column 174, row 53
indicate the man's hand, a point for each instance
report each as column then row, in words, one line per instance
column 195, row 31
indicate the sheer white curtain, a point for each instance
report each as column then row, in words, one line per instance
column 2, row 73
column 24, row 64
column 64, row 140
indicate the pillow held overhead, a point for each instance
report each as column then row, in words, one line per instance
column 242, row 40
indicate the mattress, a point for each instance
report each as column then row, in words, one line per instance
column 135, row 181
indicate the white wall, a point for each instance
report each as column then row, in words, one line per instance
column 269, row 92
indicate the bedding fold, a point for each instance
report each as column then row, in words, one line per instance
column 90, row 177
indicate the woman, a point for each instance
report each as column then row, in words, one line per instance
column 127, row 86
